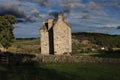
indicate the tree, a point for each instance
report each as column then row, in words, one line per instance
column 6, row 30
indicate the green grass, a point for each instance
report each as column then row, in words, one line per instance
column 27, row 42
column 107, row 55
column 102, row 55
column 88, row 71
column 83, row 54
column 61, row 71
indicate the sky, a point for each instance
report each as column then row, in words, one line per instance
column 102, row 16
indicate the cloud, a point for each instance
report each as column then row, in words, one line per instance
column 109, row 25
column 11, row 8
column 68, row 5
column 54, row 14
column 86, row 17
column 41, row 2
column 93, row 6
column 76, row 6
column 65, row 7
column 36, row 13
column 109, row 3
column 14, row 8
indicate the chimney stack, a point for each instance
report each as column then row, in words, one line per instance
column 60, row 16
column 50, row 23
column 43, row 22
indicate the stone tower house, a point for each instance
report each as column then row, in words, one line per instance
column 55, row 36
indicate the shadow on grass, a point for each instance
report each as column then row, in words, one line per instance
column 108, row 54
column 18, row 69
column 11, row 58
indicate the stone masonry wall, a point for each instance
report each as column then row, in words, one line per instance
column 62, row 38
column 56, row 37
column 76, row 59
column 44, row 42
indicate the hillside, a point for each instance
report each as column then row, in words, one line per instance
column 95, row 42
column 105, row 40
column 81, row 43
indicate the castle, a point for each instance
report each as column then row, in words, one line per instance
column 56, row 36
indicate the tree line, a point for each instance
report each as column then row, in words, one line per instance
column 104, row 40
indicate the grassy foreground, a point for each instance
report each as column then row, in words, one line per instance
column 61, row 71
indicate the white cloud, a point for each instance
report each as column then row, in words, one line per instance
column 94, row 6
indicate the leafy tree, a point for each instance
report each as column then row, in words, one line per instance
column 6, row 30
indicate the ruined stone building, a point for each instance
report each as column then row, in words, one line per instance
column 55, row 36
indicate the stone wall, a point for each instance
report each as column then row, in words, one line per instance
column 62, row 38
column 44, row 42
column 76, row 59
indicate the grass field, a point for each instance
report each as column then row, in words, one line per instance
column 27, row 42
column 30, row 46
column 52, row 71
column 57, row 71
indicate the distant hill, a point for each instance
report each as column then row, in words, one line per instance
column 100, row 39
column 94, row 42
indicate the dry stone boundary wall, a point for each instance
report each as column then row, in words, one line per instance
column 75, row 59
